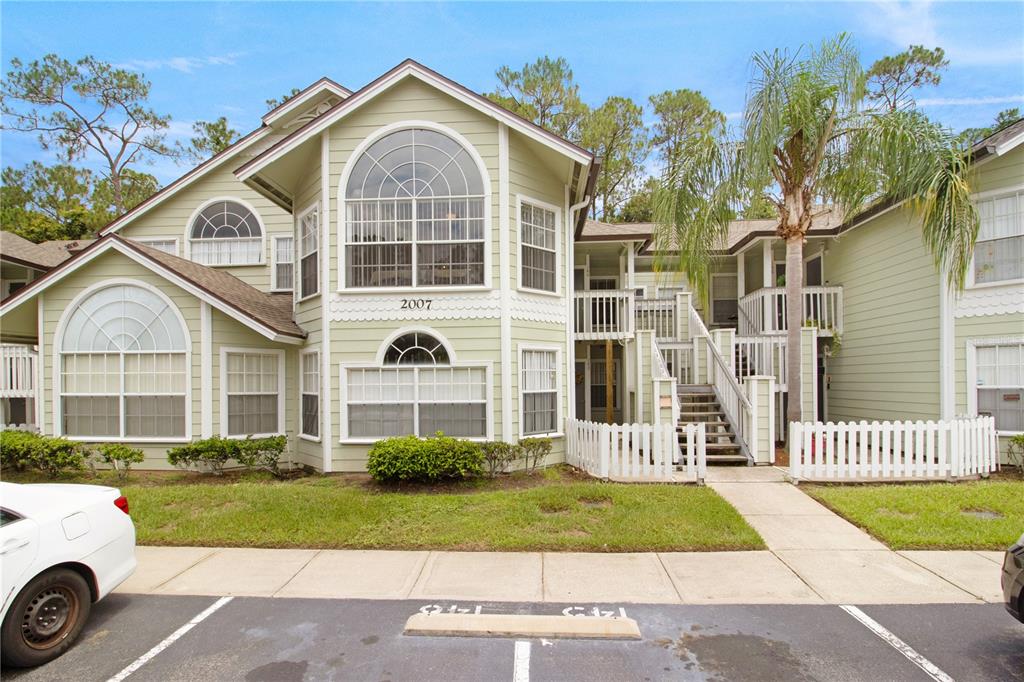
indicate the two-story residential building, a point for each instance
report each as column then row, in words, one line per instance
column 411, row 258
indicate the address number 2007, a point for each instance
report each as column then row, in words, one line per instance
column 416, row 303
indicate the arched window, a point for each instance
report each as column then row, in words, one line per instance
column 414, row 213
column 123, row 368
column 226, row 233
column 416, row 348
column 418, row 391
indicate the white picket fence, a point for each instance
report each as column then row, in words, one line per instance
column 893, row 450
column 637, row 452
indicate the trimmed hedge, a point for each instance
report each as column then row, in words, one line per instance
column 215, row 453
column 425, row 460
column 22, row 450
column 120, row 457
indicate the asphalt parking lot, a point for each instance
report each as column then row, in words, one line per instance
column 288, row 640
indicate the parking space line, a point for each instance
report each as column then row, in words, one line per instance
column 521, row 665
column 895, row 642
column 173, row 637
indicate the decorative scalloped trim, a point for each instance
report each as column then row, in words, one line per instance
column 990, row 301
column 361, row 308
column 538, row 308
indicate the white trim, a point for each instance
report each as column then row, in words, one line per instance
column 569, row 303
column 281, row 386
column 246, row 205
column 767, row 263
column 186, row 180
column 274, row 284
column 390, row 339
column 149, row 240
column 485, row 177
column 1009, row 144
column 315, row 348
column 414, row 70
column 520, row 200
column 311, row 91
column 172, row 277
column 947, row 360
column 522, row 348
column 998, row 298
column 297, row 255
column 206, row 369
column 996, row 193
column 40, row 362
column 326, row 416
column 58, row 367
column 505, row 283
column 971, row 369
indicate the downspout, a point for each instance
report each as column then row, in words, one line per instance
column 570, row 302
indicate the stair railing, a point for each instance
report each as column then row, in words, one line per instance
column 734, row 402
column 660, row 373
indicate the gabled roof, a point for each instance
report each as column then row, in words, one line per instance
column 407, row 69
column 305, row 95
column 1000, row 142
column 267, row 314
column 17, row 249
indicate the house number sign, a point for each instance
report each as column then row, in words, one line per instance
column 417, row 303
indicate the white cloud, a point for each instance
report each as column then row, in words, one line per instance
column 913, row 23
column 181, row 64
column 968, row 101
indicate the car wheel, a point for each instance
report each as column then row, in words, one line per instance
column 45, row 618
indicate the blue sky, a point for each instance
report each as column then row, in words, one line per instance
column 224, row 59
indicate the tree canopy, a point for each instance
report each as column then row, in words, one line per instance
column 682, row 117
column 543, row 92
column 891, row 79
column 1004, row 118
column 615, row 133
column 212, row 137
column 86, row 110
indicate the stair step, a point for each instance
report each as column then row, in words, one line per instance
column 723, row 446
column 709, row 413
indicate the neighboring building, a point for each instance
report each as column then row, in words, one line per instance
column 412, row 258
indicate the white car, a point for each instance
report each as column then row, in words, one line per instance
column 62, row 547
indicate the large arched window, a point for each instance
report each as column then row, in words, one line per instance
column 226, row 233
column 414, row 213
column 418, row 391
column 123, row 366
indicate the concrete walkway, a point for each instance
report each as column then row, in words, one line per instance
column 814, row 557
column 840, row 562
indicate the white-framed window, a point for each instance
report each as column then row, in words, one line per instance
column 226, row 232
column 167, row 245
column 123, row 358
column 309, row 252
column 309, row 389
column 538, row 246
column 539, row 391
column 997, row 375
column 284, row 263
column 598, row 384
column 415, row 214
column 416, row 390
column 252, row 392
column 999, row 249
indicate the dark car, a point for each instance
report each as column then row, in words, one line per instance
column 1013, row 580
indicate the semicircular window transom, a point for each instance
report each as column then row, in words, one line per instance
column 123, row 318
column 416, row 348
column 226, row 233
column 414, row 213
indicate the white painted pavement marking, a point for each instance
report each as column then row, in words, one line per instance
column 521, row 667
column 917, row 659
column 171, row 639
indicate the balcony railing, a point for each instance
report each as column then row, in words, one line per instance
column 604, row 314
column 17, row 371
column 764, row 311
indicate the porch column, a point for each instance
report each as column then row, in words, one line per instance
column 741, row 275
column 767, row 281
column 609, row 389
column 760, row 391
column 725, row 342
column 683, row 331
column 809, row 373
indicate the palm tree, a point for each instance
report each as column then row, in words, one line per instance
column 809, row 137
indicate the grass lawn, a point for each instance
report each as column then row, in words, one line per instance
column 554, row 510
column 986, row 514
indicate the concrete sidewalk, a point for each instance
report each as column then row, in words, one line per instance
column 813, row 557
column 840, row 562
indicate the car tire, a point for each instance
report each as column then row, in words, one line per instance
column 45, row 618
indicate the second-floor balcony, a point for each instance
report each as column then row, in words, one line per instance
column 764, row 311
column 618, row 314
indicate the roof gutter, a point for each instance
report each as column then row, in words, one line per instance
column 588, row 193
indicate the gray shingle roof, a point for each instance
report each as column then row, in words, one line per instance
column 39, row 256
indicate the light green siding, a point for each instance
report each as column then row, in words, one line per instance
column 1003, row 172
column 888, row 365
column 170, row 218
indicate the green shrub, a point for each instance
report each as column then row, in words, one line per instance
column 534, row 451
column 120, row 457
column 213, row 454
column 262, row 453
column 426, row 460
column 17, row 449
column 498, row 455
column 52, row 456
